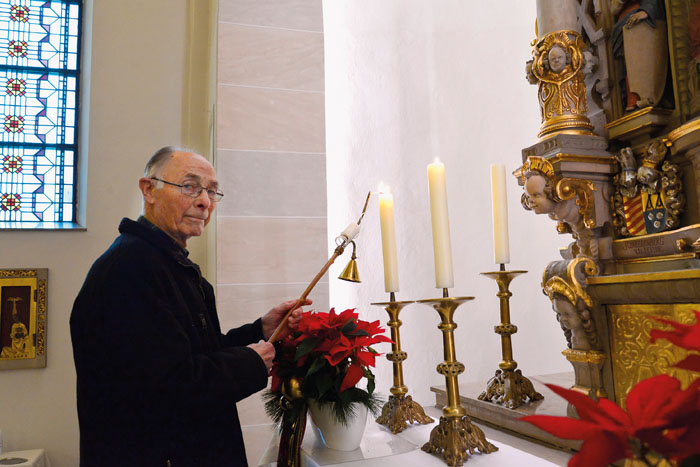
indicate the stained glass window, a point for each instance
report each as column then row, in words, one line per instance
column 39, row 73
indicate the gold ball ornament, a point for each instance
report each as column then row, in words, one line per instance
column 291, row 388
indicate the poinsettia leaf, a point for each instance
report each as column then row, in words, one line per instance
column 682, row 335
column 613, row 411
column 360, row 332
column 348, row 327
column 306, row 346
column 365, row 358
column 324, row 382
column 563, row 427
column 586, row 408
column 656, row 440
column 691, row 362
column 315, row 366
column 370, row 381
column 276, row 383
column 659, row 402
column 352, row 376
column 600, row 450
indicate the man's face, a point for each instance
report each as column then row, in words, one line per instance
column 177, row 214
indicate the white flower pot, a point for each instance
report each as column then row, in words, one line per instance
column 334, row 434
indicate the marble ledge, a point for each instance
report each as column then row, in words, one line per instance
column 501, row 418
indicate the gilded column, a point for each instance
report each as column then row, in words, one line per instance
column 557, row 68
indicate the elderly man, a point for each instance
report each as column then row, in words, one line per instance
column 157, row 381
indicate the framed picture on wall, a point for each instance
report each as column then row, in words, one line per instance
column 23, row 318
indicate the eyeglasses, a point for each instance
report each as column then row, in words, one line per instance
column 193, row 190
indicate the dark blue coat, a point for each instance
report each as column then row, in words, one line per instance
column 157, row 381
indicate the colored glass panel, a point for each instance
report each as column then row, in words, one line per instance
column 39, row 59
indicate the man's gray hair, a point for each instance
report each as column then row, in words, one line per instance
column 160, row 159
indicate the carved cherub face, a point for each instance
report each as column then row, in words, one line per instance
column 568, row 315
column 557, row 59
column 537, row 198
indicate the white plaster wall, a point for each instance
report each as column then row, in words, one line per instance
column 134, row 97
column 408, row 81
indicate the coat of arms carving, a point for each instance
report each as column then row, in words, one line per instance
column 647, row 199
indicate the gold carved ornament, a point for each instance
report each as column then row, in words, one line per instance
column 571, row 288
column 584, row 356
column 18, row 273
column 634, row 358
column 569, row 188
column 41, row 319
column 561, row 89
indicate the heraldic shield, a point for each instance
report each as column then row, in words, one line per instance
column 645, row 213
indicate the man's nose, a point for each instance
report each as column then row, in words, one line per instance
column 203, row 200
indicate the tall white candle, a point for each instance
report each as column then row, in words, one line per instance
column 386, row 221
column 441, row 226
column 501, row 249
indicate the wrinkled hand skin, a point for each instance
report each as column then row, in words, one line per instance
column 266, row 352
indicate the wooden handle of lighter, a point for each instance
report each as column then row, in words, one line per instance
column 275, row 335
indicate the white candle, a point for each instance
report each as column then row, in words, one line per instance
column 501, row 249
column 441, row 226
column 386, row 221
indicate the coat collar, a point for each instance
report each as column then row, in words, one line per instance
column 144, row 229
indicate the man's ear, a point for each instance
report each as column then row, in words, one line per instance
column 147, row 185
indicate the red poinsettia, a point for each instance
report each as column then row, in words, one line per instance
column 660, row 416
column 682, row 335
column 331, row 352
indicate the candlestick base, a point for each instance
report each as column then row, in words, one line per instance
column 508, row 387
column 455, row 438
column 511, row 389
column 400, row 409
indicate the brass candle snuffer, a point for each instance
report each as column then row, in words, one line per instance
column 400, row 409
column 342, row 241
column 508, row 387
column 455, row 437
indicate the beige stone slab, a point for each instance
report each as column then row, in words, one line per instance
column 275, row 58
column 251, row 410
column 265, row 250
column 270, row 119
column 499, row 417
column 291, row 14
column 240, row 304
column 272, row 184
column 256, row 438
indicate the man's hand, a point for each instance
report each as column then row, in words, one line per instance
column 273, row 318
column 266, row 352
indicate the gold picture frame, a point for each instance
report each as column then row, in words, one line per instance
column 23, row 318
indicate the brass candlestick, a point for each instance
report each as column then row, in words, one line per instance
column 455, row 435
column 508, row 387
column 400, row 409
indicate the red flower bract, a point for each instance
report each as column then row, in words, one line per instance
column 659, row 413
column 682, row 335
column 330, row 344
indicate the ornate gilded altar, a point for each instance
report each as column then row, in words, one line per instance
column 616, row 164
